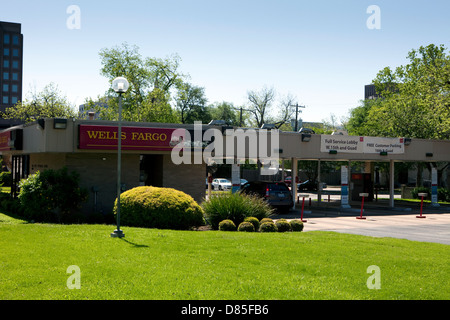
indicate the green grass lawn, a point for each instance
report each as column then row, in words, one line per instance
column 179, row 265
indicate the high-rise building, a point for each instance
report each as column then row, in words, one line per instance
column 11, row 62
column 370, row 92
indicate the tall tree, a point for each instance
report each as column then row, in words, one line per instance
column 152, row 84
column 357, row 123
column 228, row 112
column 263, row 109
column 415, row 98
column 260, row 104
column 191, row 104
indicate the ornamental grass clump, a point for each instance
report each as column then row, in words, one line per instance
column 235, row 207
column 162, row 208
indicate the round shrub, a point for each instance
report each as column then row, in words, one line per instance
column 227, row 225
column 296, row 225
column 283, row 225
column 254, row 221
column 266, row 220
column 235, row 207
column 246, row 227
column 268, row 227
column 162, row 208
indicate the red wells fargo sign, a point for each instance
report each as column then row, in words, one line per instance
column 133, row 138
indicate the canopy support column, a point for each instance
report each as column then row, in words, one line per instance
column 391, row 183
column 294, row 180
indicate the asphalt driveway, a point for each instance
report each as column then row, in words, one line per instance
column 379, row 222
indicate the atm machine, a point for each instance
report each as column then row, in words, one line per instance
column 362, row 183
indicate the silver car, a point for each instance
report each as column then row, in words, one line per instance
column 221, row 184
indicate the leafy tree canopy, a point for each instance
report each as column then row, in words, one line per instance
column 48, row 103
column 414, row 102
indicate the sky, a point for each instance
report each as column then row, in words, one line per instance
column 321, row 52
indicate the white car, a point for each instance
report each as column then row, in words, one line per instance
column 221, row 184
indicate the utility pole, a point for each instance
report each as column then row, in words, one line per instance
column 296, row 116
column 240, row 118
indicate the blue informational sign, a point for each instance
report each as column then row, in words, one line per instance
column 344, row 187
column 434, row 188
column 235, row 178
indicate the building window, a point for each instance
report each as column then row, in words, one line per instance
column 15, row 52
column 5, row 75
column 5, row 87
column 6, row 52
column 15, row 64
column 15, row 76
column 16, row 40
column 5, row 63
column 5, row 100
column 14, row 88
column 13, row 100
column 6, row 39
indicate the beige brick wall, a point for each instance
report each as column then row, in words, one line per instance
column 41, row 162
column 100, row 171
column 189, row 178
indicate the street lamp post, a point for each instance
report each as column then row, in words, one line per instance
column 119, row 85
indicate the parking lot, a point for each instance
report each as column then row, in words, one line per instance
column 380, row 222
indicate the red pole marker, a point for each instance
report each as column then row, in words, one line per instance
column 422, row 195
column 362, row 205
column 303, row 207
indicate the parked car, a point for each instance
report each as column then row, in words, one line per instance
column 243, row 181
column 307, row 130
column 310, row 185
column 277, row 194
column 221, row 184
column 288, row 180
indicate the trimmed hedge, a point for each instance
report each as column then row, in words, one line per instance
column 283, row 225
column 268, row 227
column 253, row 221
column 246, row 227
column 296, row 225
column 162, row 208
column 227, row 225
column 265, row 225
column 266, row 220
